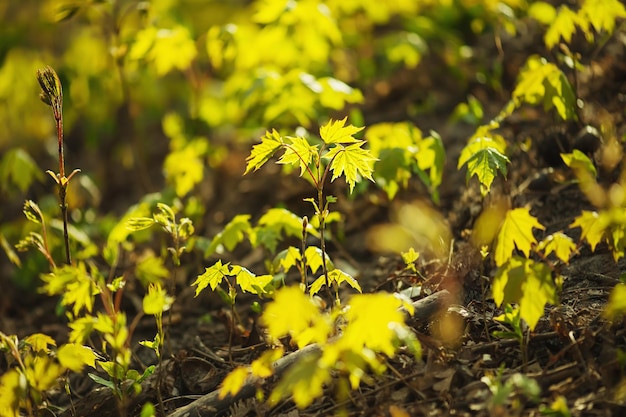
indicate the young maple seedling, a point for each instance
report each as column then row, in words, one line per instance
column 340, row 153
column 52, row 95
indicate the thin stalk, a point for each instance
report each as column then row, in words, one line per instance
column 52, row 95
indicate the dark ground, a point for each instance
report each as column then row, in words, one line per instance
column 572, row 354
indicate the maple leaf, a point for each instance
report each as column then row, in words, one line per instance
column 484, row 155
column 262, row 152
column 249, row 282
column 335, row 132
column 263, row 367
column 298, row 153
column 373, row 320
column 593, row 226
column 74, row 356
column 516, row 231
column 232, row 234
column 558, row 243
column 293, row 313
column 527, row 283
column 212, row 276
column 233, row 382
column 352, row 161
column 602, row 14
column 563, row 26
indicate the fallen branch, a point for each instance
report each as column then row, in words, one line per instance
column 211, row 405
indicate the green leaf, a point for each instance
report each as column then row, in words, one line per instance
column 76, row 285
column 484, row 155
column 335, row 131
column 527, row 283
column 139, row 223
column 579, row 161
column 516, row 231
column 304, row 381
column 212, row 276
column 262, row 152
column 298, row 153
column 19, row 169
column 272, row 225
column 352, row 161
column 232, row 234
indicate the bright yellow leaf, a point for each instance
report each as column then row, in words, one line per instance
column 12, row 390
column 516, row 231
column 294, row 313
column 616, row 306
column 304, row 380
column 263, row 367
column 234, row 381
column 74, row 356
column 335, row 131
column 39, row 342
column 157, row 300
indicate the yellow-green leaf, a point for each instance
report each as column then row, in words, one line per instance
column 262, row 152
column 335, row 131
column 516, row 231
column 563, row 27
column 74, row 356
column 232, row 234
column 558, row 243
column 157, row 300
column 485, row 156
column 249, row 282
column 338, row 276
column 212, row 276
column 353, row 161
column 579, row 161
column 298, row 153
column 150, row 269
column 304, row 381
column 602, row 14
column 12, row 391
column 593, row 226
column 527, row 283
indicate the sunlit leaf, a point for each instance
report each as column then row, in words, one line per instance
column 338, row 276
column 484, row 156
column 249, row 282
column 232, row 234
column 298, row 153
column 352, row 161
column 263, row 367
column 19, row 169
column 558, row 243
column 156, row 301
column 562, row 27
column 75, row 357
column 212, row 276
column 39, row 342
column 12, row 391
column 335, row 131
column 373, row 319
column 234, row 381
column 151, row 269
column 262, row 152
column 516, row 231
column 603, row 14
column 293, row 313
column 527, row 283
column 578, row 160
column 543, row 82
column 593, row 226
